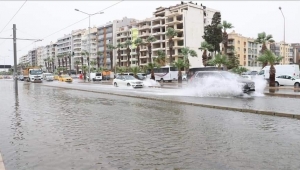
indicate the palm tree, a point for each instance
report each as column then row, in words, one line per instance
column 127, row 44
column 186, row 51
column 77, row 67
column 171, row 33
column 119, row 45
column 93, row 63
column 111, row 48
column 84, row 69
column 180, row 64
column 206, row 47
column 225, row 25
column 239, row 70
column 149, row 40
column 121, row 69
column 45, row 60
column 53, row 66
column 263, row 38
column 161, row 59
column 151, row 67
column 269, row 57
column 99, row 53
column 135, row 70
column 138, row 42
column 219, row 60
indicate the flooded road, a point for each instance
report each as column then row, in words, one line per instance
column 52, row 128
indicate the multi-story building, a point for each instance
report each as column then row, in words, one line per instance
column 76, row 45
column 39, row 54
column 245, row 49
column 89, row 44
column 32, row 56
column 296, row 47
column 23, row 59
column 107, row 34
column 188, row 20
column 64, row 47
column 284, row 50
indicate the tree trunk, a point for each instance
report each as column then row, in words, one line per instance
column 204, row 57
column 128, row 57
column 58, row 62
column 98, row 62
column 70, row 65
column 111, row 60
column 272, row 76
column 179, row 76
column 53, row 66
column 263, row 49
column 119, row 57
column 77, row 69
column 152, row 74
column 171, row 50
column 150, row 52
column 138, row 54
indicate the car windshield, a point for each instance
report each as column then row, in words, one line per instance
column 65, row 76
column 35, row 72
column 129, row 77
column 228, row 75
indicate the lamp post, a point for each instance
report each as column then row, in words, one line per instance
column 89, row 45
column 283, row 31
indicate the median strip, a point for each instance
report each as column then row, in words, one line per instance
column 272, row 113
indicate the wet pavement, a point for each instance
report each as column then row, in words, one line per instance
column 257, row 101
column 53, row 128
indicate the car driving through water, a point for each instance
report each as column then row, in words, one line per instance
column 223, row 77
column 127, row 80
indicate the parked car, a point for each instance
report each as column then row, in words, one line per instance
column 248, row 85
column 96, row 76
column 21, row 77
column 127, row 80
column 65, row 78
column 142, row 75
column 48, row 76
column 287, row 80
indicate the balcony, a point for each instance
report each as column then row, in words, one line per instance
column 158, row 26
column 144, row 34
column 230, row 51
column 177, row 38
column 157, row 49
column 173, row 23
column 173, row 14
column 144, row 27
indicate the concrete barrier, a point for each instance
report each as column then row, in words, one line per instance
column 1, row 163
column 263, row 112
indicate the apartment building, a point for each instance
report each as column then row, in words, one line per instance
column 64, row 47
column 245, row 49
column 32, row 56
column 296, row 47
column 284, row 50
column 188, row 20
column 39, row 54
column 89, row 44
column 23, row 59
column 76, row 45
column 107, row 34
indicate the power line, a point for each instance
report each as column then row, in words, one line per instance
column 13, row 16
column 74, row 23
column 27, row 33
column 81, row 20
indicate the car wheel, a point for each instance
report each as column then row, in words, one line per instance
column 276, row 84
column 115, row 84
column 297, row 85
column 162, row 80
column 128, row 84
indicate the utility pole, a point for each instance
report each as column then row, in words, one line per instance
column 283, row 33
column 15, row 58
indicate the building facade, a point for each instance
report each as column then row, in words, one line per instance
column 284, row 50
column 32, row 56
column 296, row 47
column 64, row 49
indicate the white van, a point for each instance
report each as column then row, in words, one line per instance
column 48, row 76
column 96, row 76
column 292, row 69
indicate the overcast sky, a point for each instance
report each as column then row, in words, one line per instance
column 38, row 19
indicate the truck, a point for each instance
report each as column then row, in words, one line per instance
column 33, row 74
column 292, row 69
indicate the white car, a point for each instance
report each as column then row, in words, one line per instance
column 127, row 80
column 287, row 80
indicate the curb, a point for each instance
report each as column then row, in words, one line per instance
column 283, row 95
column 1, row 163
column 271, row 113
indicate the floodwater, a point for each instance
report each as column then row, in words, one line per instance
column 51, row 128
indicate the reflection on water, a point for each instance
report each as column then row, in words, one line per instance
column 47, row 128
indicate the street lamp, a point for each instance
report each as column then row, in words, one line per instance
column 283, row 30
column 89, row 45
